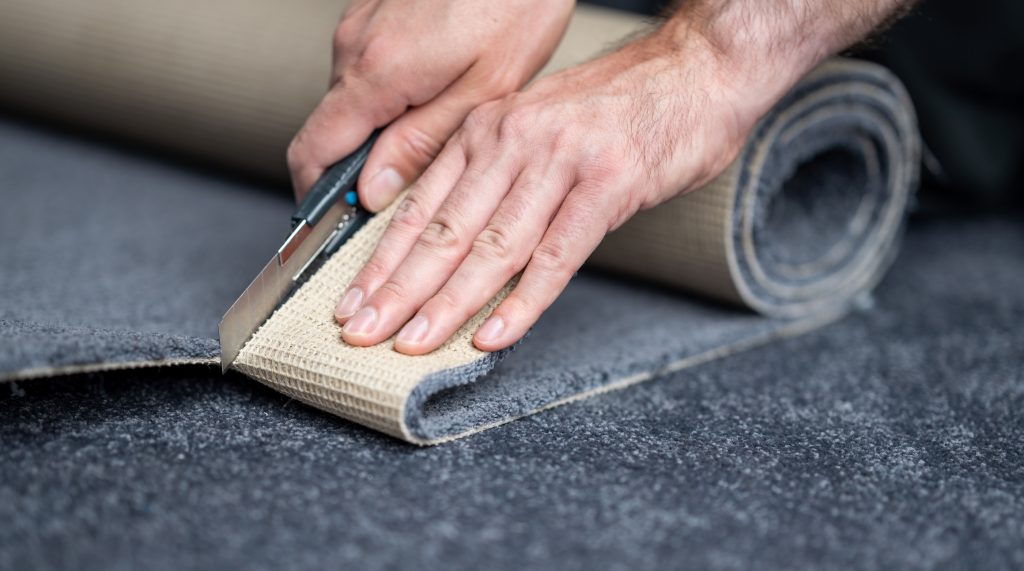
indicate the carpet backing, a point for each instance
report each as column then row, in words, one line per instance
column 226, row 81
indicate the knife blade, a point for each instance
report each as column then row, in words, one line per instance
column 327, row 216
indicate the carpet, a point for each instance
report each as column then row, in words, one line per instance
column 889, row 440
column 112, row 256
column 839, row 151
column 802, row 224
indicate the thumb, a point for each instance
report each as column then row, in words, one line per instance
column 408, row 146
column 339, row 124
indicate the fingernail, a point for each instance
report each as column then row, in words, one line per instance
column 490, row 330
column 384, row 187
column 362, row 322
column 349, row 303
column 414, row 331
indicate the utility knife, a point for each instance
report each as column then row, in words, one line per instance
column 327, row 216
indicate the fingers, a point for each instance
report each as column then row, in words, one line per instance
column 341, row 122
column 411, row 217
column 499, row 252
column 573, row 235
column 438, row 251
column 409, row 144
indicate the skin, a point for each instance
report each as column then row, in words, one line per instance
column 421, row 66
column 529, row 181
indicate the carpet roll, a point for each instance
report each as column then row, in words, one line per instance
column 803, row 223
column 801, row 226
column 807, row 218
column 230, row 81
column 226, row 81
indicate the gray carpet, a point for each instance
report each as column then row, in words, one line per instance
column 122, row 259
column 119, row 257
column 111, row 255
column 892, row 439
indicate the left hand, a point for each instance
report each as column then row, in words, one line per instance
column 533, row 182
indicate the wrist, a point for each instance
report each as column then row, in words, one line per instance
column 754, row 60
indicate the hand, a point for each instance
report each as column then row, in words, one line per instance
column 423, row 65
column 534, row 181
column 531, row 183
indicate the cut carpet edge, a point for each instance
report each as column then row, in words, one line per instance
column 790, row 330
column 88, row 368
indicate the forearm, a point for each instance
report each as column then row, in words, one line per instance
column 730, row 60
column 767, row 45
column 807, row 29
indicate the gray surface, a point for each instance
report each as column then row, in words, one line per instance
column 599, row 331
column 109, row 255
column 892, row 439
column 122, row 258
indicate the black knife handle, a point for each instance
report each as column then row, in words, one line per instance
column 336, row 181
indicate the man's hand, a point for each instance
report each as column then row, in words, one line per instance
column 421, row 66
column 535, row 181
column 531, row 183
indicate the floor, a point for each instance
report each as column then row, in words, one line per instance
column 892, row 439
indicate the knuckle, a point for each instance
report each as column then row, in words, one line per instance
column 441, row 236
column 411, row 214
column 345, row 33
column 420, row 145
column 514, row 124
column 373, row 270
column 551, row 257
column 446, row 300
column 392, row 290
column 606, row 164
column 373, row 57
column 449, row 302
column 478, row 119
column 495, row 244
column 519, row 305
column 563, row 142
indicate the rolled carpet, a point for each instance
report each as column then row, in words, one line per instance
column 806, row 217
column 799, row 228
column 804, row 222
column 225, row 81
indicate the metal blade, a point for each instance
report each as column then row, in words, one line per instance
column 270, row 287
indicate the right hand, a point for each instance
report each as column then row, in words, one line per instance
column 421, row 66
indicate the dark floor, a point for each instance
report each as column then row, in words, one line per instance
column 893, row 439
